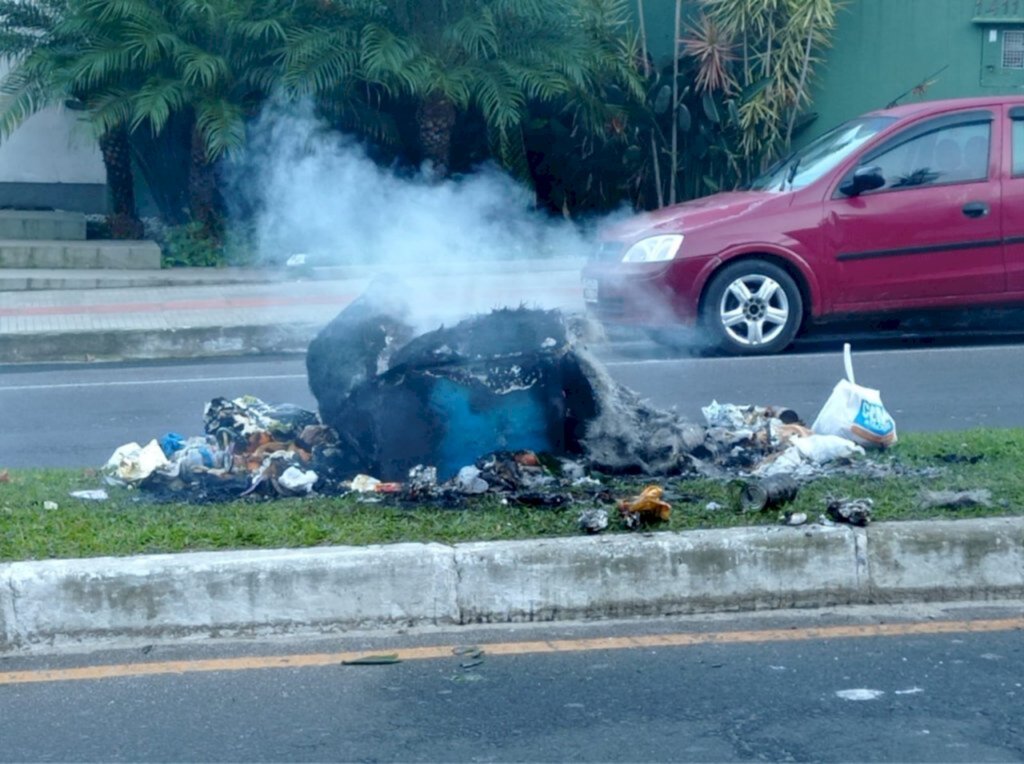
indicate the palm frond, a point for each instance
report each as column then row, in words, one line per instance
column 475, row 34
column 221, row 124
column 110, row 109
column 156, row 100
column 201, row 68
column 500, row 101
column 21, row 95
column 269, row 31
column 318, row 60
column 386, row 57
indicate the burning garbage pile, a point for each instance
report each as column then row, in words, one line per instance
column 508, row 404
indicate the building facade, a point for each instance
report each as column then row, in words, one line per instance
column 52, row 162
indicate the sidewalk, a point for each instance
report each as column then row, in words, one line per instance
column 76, row 316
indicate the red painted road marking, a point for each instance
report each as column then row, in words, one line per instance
column 218, row 303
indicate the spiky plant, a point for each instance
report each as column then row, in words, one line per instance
column 781, row 43
column 714, row 51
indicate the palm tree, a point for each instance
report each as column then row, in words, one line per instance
column 494, row 57
column 211, row 62
column 37, row 43
column 144, row 64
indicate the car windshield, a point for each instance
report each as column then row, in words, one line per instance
column 821, row 155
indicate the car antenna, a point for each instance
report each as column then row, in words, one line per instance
column 919, row 88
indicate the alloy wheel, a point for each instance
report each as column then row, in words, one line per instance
column 754, row 310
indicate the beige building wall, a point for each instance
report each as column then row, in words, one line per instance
column 52, row 160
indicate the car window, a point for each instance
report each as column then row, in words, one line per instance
column 821, row 155
column 1018, row 147
column 952, row 154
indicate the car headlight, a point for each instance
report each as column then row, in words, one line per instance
column 655, row 249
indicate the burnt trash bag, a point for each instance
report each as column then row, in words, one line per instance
column 494, row 381
column 356, row 346
column 509, row 380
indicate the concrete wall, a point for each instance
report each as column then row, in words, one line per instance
column 52, row 160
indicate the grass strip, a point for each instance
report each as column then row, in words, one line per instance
column 130, row 523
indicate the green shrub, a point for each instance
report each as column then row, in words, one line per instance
column 189, row 246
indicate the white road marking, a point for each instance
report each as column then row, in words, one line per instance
column 860, row 694
column 137, row 382
column 911, row 691
column 806, row 357
column 818, row 357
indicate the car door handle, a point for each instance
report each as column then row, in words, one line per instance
column 975, row 209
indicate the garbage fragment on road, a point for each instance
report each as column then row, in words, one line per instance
column 364, row 484
column 469, row 481
column 850, row 511
column 132, row 463
column 733, row 417
column 90, row 495
column 297, row 481
column 794, row 518
column 855, row 412
column 373, row 660
column 593, row 520
column 806, row 454
column 648, row 507
column 980, row 497
column 769, row 493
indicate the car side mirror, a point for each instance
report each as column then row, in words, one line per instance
column 863, row 179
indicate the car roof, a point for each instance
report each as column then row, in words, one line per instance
column 947, row 104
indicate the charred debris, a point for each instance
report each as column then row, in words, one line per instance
column 509, row 405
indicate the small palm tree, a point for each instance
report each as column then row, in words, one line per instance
column 38, row 42
column 490, row 56
column 209, row 61
column 141, row 64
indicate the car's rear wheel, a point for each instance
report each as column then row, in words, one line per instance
column 752, row 307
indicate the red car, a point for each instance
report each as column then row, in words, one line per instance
column 916, row 207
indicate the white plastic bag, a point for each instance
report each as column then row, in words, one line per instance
column 856, row 412
column 132, row 463
column 298, row 481
column 820, row 448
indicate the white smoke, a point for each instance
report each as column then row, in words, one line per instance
column 318, row 193
column 325, row 196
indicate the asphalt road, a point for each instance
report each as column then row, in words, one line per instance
column 76, row 415
column 783, row 687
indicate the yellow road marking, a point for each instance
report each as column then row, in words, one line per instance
column 685, row 639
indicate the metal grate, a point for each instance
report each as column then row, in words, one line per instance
column 1013, row 50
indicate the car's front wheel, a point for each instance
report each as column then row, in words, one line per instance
column 752, row 307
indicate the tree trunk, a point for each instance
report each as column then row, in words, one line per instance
column 675, row 102
column 800, row 87
column 435, row 120
column 204, row 199
column 117, row 159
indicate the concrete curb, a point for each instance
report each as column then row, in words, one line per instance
column 113, row 600
column 33, row 279
column 144, row 344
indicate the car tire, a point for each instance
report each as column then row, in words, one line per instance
column 752, row 307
